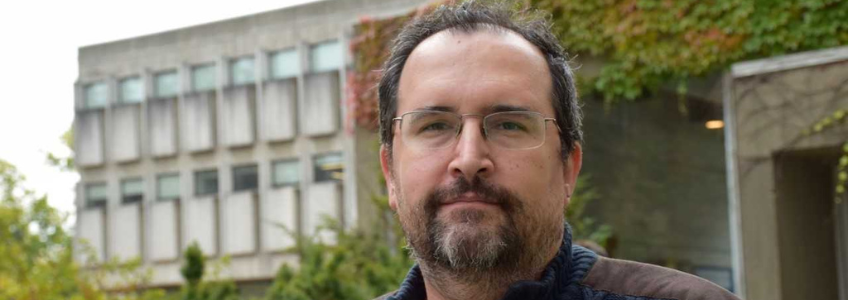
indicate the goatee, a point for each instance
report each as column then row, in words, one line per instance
column 457, row 243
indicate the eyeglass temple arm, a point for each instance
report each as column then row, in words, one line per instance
column 555, row 123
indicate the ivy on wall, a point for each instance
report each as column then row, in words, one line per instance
column 648, row 43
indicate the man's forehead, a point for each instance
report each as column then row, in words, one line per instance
column 442, row 43
column 497, row 62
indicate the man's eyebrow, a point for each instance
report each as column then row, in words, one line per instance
column 506, row 107
column 437, row 108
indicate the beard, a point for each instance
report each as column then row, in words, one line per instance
column 468, row 240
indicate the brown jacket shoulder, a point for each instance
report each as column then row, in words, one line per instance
column 643, row 280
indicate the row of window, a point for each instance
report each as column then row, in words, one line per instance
column 327, row 167
column 281, row 64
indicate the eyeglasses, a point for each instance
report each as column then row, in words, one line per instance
column 426, row 129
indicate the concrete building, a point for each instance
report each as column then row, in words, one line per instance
column 218, row 134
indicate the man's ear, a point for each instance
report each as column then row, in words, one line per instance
column 571, row 170
column 387, row 174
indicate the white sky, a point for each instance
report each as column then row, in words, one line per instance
column 38, row 55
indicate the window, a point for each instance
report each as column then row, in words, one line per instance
column 245, row 178
column 329, row 167
column 285, row 64
column 96, row 95
column 95, row 195
column 132, row 190
column 206, row 182
column 168, row 187
column 203, row 78
column 131, row 90
column 285, row 172
column 325, row 57
column 167, row 84
column 241, row 71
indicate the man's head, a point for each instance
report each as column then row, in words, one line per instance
column 482, row 184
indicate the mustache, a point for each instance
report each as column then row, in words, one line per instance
column 490, row 193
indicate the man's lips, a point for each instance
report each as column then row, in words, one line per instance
column 469, row 198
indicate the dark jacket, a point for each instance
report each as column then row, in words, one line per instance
column 577, row 273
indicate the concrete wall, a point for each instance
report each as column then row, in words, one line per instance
column 164, row 235
column 125, row 231
column 241, row 230
column 660, row 178
column 163, row 127
column 280, row 100
column 280, row 209
column 89, row 138
column 200, row 225
column 323, row 201
column 91, row 229
column 238, row 116
column 320, row 108
column 770, row 104
column 126, row 141
column 199, row 115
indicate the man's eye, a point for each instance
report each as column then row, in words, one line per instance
column 509, row 126
column 435, row 127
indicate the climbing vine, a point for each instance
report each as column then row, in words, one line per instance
column 840, row 116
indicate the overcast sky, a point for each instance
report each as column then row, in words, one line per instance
column 39, row 67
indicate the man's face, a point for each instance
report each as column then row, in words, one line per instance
column 473, row 204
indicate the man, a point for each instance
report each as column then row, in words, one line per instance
column 481, row 148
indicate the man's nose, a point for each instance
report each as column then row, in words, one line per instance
column 471, row 154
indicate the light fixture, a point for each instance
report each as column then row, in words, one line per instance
column 714, row 124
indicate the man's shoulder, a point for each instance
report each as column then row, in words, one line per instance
column 386, row 296
column 643, row 280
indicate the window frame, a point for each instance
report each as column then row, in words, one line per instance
column 196, row 67
column 124, row 196
column 96, row 203
column 298, row 69
column 275, row 183
column 156, row 84
column 159, row 188
column 243, row 166
column 315, row 168
column 121, row 82
column 85, row 94
column 231, row 68
column 312, row 57
column 196, row 174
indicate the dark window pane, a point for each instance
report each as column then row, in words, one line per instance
column 245, row 178
column 95, row 195
column 132, row 190
column 206, row 182
column 329, row 167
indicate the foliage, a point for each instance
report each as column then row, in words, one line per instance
column 585, row 227
column 649, row 43
column 359, row 265
column 193, row 271
column 37, row 258
column 64, row 163
column 840, row 116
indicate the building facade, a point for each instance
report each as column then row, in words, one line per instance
column 227, row 134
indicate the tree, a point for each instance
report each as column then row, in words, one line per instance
column 193, row 271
